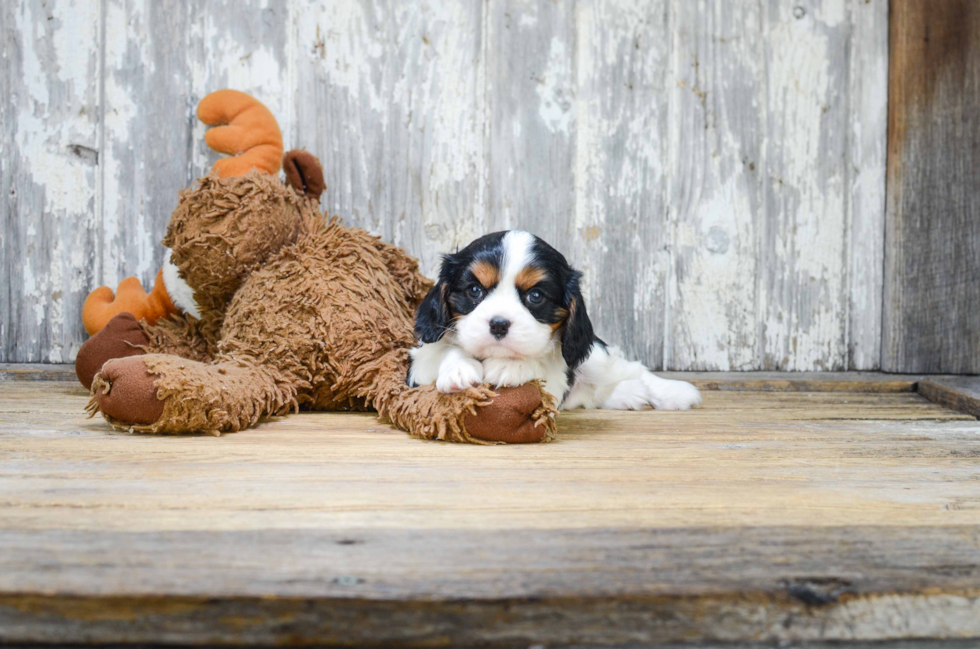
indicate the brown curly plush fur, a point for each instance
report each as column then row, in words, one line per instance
column 297, row 311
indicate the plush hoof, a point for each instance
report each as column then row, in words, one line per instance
column 126, row 392
column 509, row 418
column 121, row 337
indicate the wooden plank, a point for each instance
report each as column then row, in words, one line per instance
column 531, row 90
column 435, row 126
column 865, row 172
column 802, row 293
column 769, row 103
column 439, row 121
column 160, row 62
column 341, row 106
column 37, row 372
column 932, row 280
column 350, row 470
column 146, row 153
column 753, row 518
column 800, row 381
column 391, row 98
column 715, row 199
column 350, row 589
column 49, row 179
column 620, row 237
column 729, row 381
column 959, row 393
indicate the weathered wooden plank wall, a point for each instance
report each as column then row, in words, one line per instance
column 715, row 168
column 932, row 270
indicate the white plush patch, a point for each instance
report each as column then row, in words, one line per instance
column 180, row 293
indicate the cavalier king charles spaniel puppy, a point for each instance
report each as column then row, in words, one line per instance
column 508, row 309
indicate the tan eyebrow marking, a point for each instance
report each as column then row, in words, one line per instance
column 563, row 318
column 528, row 278
column 486, row 273
column 565, row 315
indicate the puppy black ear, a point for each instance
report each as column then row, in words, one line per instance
column 577, row 337
column 432, row 316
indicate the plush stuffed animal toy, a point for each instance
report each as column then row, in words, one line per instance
column 283, row 308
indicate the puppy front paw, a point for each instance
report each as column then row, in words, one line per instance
column 458, row 374
column 508, row 373
column 666, row 394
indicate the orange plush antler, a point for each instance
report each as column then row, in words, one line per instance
column 101, row 305
column 245, row 129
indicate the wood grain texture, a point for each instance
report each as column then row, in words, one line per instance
column 727, row 381
column 715, row 194
column 715, row 169
column 799, row 381
column 773, row 517
column 932, row 278
column 764, row 276
column 803, row 291
column 865, row 172
column 49, row 175
column 960, row 393
column 391, row 98
column 37, row 372
column 159, row 61
column 621, row 237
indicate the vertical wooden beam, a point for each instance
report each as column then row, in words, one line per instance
column 620, row 235
column 50, row 76
column 866, row 149
column 531, row 90
column 390, row 96
column 932, row 255
column 147, row 125
column 773, row 133
column 715, row 201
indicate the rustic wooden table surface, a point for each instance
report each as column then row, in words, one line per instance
column 766, row 515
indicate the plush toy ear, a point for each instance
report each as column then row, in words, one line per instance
column 304, row 173
column 577, row 337
column 432, row 316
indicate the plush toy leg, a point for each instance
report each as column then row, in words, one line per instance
column 184, row 337
column 160, row 393
column 124, row 336
column 477, row 415
column 520, row 415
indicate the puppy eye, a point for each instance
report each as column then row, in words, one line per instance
column 535, row 297
column 475, row 292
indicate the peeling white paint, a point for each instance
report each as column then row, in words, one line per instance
column 555, row 89
column 52, row 171
column 696, row 160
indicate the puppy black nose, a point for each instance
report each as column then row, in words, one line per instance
column 499, row 327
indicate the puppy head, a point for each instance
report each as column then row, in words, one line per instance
column 508, row 295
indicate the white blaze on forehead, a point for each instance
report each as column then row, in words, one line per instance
column 518, row 254
column 526, row 337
